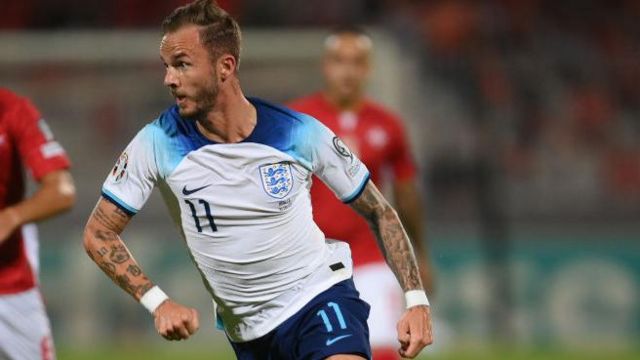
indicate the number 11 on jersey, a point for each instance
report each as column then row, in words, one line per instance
column 207, row 211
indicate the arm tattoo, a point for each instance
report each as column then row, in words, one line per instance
column 142, row 289
column 108, row 268
column 119, row 254
column 391, row 236
column 124, row 282
column 114, row 221
column 103, row 251
column 108, row 251
column 106, row 235
column 134, row 270
column 91, row 255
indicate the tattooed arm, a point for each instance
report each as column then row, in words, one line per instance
column 411, row 212
column 105, row 247
column 392, row 238
column 414, row 328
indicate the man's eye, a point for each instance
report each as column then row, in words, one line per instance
column 182, row 65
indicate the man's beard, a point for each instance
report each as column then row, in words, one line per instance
column 204, row 101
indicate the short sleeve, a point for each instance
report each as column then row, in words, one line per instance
column 38, row 149
column 133, row 177
column 337, row 166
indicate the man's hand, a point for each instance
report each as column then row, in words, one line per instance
column 414, row 331
column 9, row 222
column 174, row 321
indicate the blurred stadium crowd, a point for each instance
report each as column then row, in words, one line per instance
column 550, row 86
column 541, row 94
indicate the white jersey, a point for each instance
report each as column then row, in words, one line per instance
column 245, row 210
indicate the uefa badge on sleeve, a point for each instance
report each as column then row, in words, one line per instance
column 342, row 149
column 119, row 171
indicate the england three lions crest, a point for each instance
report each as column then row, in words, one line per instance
column 277, row 180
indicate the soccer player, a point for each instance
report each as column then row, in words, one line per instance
column 26, row 141
column 235, row 173
column 377, row 137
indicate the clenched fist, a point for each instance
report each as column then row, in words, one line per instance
column 414, row 331
column 174, row 321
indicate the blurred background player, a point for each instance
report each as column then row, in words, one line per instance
column 378, row 138
column 26, row 141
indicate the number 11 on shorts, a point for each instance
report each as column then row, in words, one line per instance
column 325, row 318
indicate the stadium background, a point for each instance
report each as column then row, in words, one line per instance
column 524, row 117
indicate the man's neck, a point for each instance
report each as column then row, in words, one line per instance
column 232, row 120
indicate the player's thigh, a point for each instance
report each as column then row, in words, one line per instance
column 378, row 287
column 24, row 327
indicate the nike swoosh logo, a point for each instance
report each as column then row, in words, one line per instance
column 336, row 339
column 189, row 192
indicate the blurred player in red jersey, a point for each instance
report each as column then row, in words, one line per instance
column 26, row 141
column 378, row 139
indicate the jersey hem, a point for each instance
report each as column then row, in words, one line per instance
column 294, row 307
column 339, row 251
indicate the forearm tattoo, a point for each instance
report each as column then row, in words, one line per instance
column 108, row 251
column 391, row 236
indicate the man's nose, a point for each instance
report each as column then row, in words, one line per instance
column 170, row 78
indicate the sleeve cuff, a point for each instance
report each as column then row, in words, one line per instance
column 119, row 203
column 356, row 194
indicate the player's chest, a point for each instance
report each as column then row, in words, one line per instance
column 254, row 177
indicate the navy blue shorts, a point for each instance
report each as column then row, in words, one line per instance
column 334, row 322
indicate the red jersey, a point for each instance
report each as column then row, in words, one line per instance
column 378, row 139
column 25, row 141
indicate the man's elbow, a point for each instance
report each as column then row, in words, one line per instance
column 67, row 193
column 67, row 200
column 88, row 240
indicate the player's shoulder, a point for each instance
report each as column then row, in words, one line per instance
column 286, row 130
column 169, row 121
column 169, row 132
column 266, row 108
column 17, row 109
column 278, row 116
column 10, row 100
column 170, row 125
column 8, row 96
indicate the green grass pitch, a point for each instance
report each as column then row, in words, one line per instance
column 185, row 353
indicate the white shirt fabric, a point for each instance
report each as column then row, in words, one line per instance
column 244, row 208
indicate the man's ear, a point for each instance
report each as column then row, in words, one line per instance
column 226, row 66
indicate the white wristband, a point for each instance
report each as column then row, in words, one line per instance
column 153, row 298
column 415, row 298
